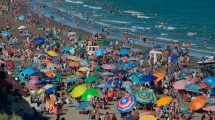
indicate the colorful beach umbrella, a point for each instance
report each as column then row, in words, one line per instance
column 46, row 61
column 160, row 75
column 148, row 78
column 32, row 83
column 102, row 43
column 129, row 65
column 49, row 90
column 198, row 103
column 126, row 104
column 123, row 72
column 139, row 74
column 52, row 53
column 47, row 86
column 28, row 71
column 51, row 66
column 163, row 101
column 157, row 47
column 109, row 66
column 106, row 74
column 66, row 49
column 21, row 17
column 194, row 90
column 192, row 86
column 99, row 51
column 137, row 80
column 144, row 96
column 50, row 74
column 148, row 117
column 92, row 78
column 88, row 93
column 73, row 78
column 78, row 91
column 181, row 84
column 82, row 105
column 84, row 69
column 124, row 51
column 210, row 80
column 73, row 64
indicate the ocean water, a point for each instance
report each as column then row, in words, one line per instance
column 184, row 18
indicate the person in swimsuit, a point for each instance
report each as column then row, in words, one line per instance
column 205, row 40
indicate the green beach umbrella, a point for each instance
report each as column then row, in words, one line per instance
column 88, row 93
column 102, row 43
column 74, row 85
column 91, row 78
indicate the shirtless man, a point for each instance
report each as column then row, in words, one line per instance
column 107, row 116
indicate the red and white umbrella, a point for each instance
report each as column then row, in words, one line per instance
column 209, row 108
column 109, row 66
column 180, row 84
column 145, row 113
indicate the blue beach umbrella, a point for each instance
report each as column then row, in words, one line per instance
column 6, row 33
column 56, row 43
column 124, row 51
column 104, row 85
column 133, row 58
column 126, row 104
column 38, row 40
column 123, row 72
column 148, row 78
column 157, row 47
column 39, row 82
column 138, row 74
column 21, row 17
column 84, row 62
column 99, row 51
column 49, row 79
column 26, row 36
column 66, row 49
column 147, row 50
column 192, row 86
column 129, row 65
column 210, row 80
column 28, row 71
column 136, row 50
column 107, row 74
column 194, row 90
column 137, row 80
column 51, row 89
column 82, row 105
column 174, row 57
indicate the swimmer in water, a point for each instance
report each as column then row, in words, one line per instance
column 210, row 37
column 205, row 40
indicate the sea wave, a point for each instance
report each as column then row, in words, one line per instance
column 164, row 34
column 76, row 2
column 190, row 33
column 142, row 16
column 115, row 21
column 158, row 26
column 165, row 39
column 92, row 7
column 140, row 28
column 169, row 28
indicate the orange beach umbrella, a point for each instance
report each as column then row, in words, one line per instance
column 198, row 103
column 160, row 75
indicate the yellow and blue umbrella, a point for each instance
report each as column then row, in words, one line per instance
column 73, row 78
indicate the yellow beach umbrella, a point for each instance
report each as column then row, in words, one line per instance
column 84, row 69
column 72, row 57
column 79, row 90
column 52, row 53
column 148, row 117
column 160, row 75
column 163, row 100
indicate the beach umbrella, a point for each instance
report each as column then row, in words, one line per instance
column 28, row 71
column 111, row 43
column 52, row 53
column 37, row 74
column 46, row 61
column 210, row 80
column 84, row 69
column 66, row 49
column 104, row 85
column 194, row 90
column 25, row 36
column 197, row 103
column 74, row 85
column 160, row 75
column 31, row 118
column 50, row 74
column 48, row 79
column 21, row 17
column 55, row 43
column 106, row 74
column 4, row 83
column 47, row 86
column 51, row 89
column 108, row 49
column 164, row 101
column 139, row 74
column 99, row 51
column 203, row 85
column 84, row 62
column 38, row 40
column 92, row 78
column 147, row 50
column 126, row 104
column 6, row 33
column 45, row 70
column 148, row 117
column 192, row 86
column 124, row 51
column 82, row 105
column 180, row 84
column 157, row 47
column 73, row 64
column 51, row 66
column 144, row 96
column 129, row 65
column 21, row 93
column 109, row 66
column 145, row 113
column 136, row 50
column 73, row 78
column 130, row 59
column 21, row 27
column 75, row 58
column 148, row 78
column 88, row 93
column 209, row 108
column 123, row 72
column 137, row 80
column 174, row 57
column 72, row 33
column 102, row 43
column 78, row 91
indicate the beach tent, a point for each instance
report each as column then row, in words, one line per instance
column 32, row 83
column 155, row 53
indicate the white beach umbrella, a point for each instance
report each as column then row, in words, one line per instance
column 72, row 33
column 21, row 27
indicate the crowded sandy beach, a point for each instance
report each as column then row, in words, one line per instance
column 50, row 71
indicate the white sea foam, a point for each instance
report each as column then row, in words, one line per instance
column 190, row 33
column 132, row 12
column 165, row 39
column 164, row 34
column 142, row 16
column 169, row 28
column 141, row 28
column 174, row 40
column 102, row 23
column 76, row 2
column 92, row 7
column 115, row 21
column 158, row 26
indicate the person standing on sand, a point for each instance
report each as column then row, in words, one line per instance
column 92, row 113
column 135, row 114
column 107, row 116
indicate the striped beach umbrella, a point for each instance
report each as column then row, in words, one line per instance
column 73, row 78
column 160, row 75
column 106, row 74
column 192, row 86
column 109, row 66
column 180, row 84
column 46, row 61
column 126, row 104
column 144, row 96
column 99, row 51
column 74, row 64
column 51, row 65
